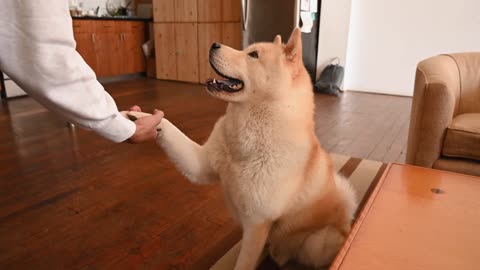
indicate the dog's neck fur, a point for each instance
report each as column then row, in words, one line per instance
column 267, row 120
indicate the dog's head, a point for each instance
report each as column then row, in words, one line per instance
column 263, row 70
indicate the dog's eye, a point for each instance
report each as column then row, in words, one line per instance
column 253, row 54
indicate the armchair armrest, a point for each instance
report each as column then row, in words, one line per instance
column 435, row 103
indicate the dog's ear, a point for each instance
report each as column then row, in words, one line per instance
column 293, row 49
column 277, row 40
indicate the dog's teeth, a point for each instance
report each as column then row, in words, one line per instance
column 214, row 81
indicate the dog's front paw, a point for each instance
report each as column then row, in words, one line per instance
column 162, row 129
column 134, row 115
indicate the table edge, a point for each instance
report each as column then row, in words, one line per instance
column 356, row 226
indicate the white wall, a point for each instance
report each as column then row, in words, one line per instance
column 333, row 35
column 389, row 37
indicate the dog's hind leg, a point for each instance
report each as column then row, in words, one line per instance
column 253, row 242
column 189, row 157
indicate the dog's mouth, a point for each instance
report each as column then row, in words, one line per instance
column 227, row 83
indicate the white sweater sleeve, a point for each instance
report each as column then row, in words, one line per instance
column 37, row 50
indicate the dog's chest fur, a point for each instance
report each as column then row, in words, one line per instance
column 257, row 161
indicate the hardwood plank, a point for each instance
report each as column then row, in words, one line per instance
column 399, row 143
column 400, row 110
column 383, row 118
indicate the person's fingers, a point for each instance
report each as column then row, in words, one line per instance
column 135, row 108
column 158, row 115
column 157, row 112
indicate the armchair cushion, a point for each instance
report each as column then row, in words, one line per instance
column 463, row 137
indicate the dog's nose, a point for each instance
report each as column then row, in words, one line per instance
column 215, row 46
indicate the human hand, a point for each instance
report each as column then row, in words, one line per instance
column 146, row 127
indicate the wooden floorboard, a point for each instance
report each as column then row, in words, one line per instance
column 70, row 199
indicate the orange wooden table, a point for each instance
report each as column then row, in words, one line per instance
column 416, row 218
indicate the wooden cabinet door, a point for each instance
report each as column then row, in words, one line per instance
column 165, row 51
column 132, row 39
column 86, row 48
column 108, row 55
column 186, row 40
column 209, row 10
column 232, row 35
column 185, row 10
column 84, row 34
column 107, row 48
column 132, row 54
column 207, row 34
column 231, row 10
column 163, row 10
column 83, row 26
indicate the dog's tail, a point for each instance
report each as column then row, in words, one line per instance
column 347, row 195
column 319, row 249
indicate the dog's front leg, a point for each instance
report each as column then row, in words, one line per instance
column 253, row 242
column 189, row 157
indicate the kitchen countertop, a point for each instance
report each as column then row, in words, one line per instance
column 117, row 18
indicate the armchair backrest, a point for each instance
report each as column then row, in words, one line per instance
column 468, row 65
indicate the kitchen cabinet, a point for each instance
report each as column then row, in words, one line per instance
column 107, row 53
column 132, row 56
column 182, row 41
column 176, row 49
column 163, row 10
column 208, row 33
column 232, row 35
column 209, row 10
column 86, row 48
column 231, row 10
column 186, row 42
column 226, row 33
column 165, row 51
column 185, row 10
column 111, row 47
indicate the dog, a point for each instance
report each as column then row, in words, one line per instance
column 278, row 182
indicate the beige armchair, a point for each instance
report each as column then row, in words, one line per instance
column 445, row 121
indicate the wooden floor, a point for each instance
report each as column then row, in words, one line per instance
column 72, row 200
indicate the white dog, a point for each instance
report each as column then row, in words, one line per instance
column 279, row 183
